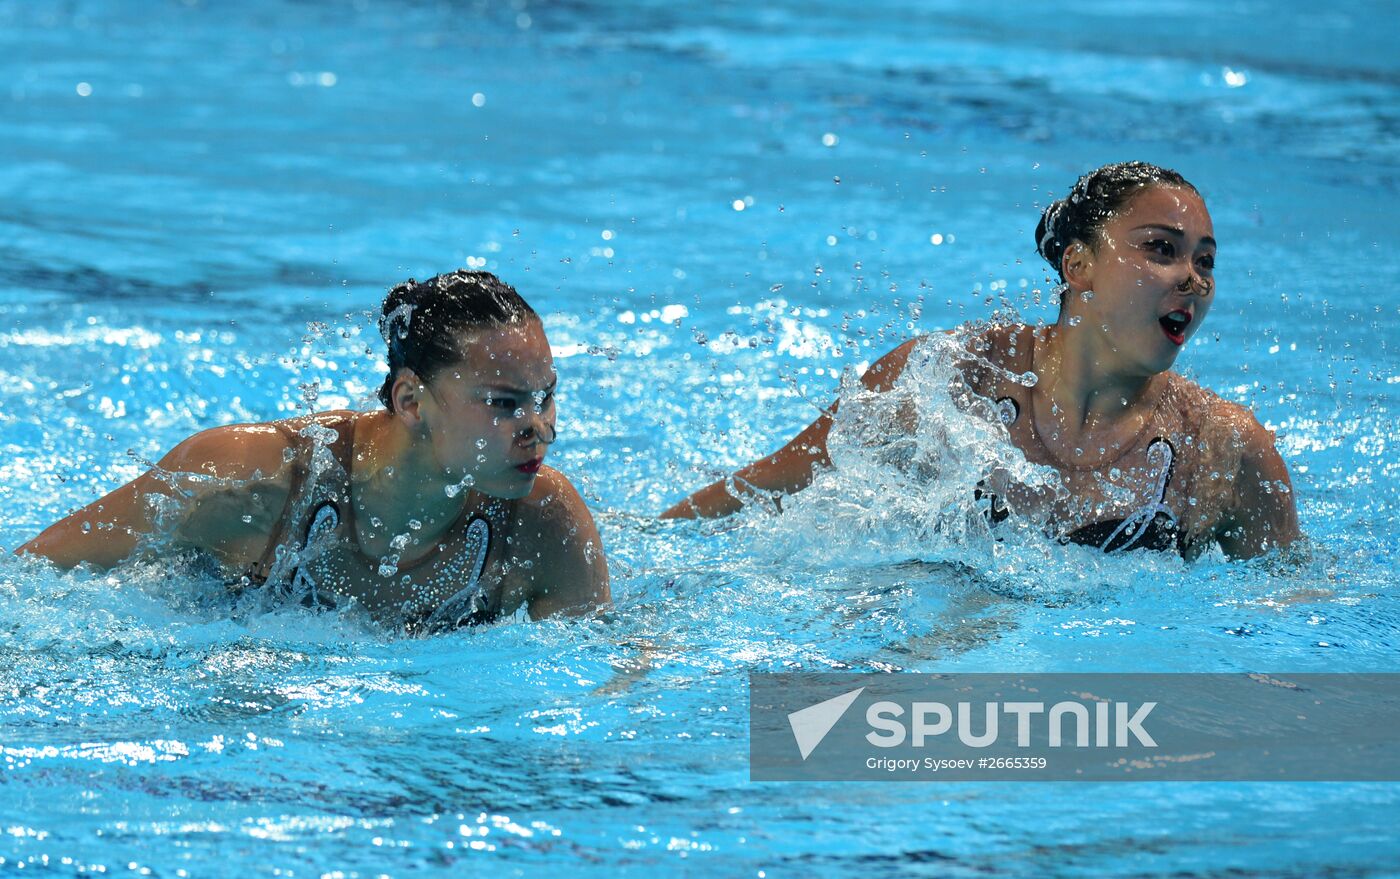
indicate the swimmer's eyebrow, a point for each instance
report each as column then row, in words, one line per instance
column 520, row 392
column 1173, row 230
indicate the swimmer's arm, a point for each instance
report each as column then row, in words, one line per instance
column 102, row 533
column 110, row 529
column 791, row 468
column 1263, row 514
column 567, row 572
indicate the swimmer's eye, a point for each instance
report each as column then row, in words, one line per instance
column 1161, row 247
column 514, row 404
column 1206, row 263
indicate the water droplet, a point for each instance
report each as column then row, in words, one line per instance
column 456, row 488
column 414, row 524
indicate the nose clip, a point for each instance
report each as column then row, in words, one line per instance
column 1193, row 284
column 534, row 433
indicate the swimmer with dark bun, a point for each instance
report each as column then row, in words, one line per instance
column 434, row 512
column 1147, row 458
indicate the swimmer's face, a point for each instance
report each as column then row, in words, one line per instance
column 1152, row 276
column 492, row 416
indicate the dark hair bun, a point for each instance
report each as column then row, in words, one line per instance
column 1046, row 237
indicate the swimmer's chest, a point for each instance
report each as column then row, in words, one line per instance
column 1159, row 468
column 465, row 575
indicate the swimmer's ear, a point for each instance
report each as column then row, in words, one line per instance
column 1076, row 264
column 407, row 395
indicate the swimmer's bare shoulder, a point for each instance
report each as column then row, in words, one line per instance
column 1260, row 511
column 226, row 488
column 556, row 564
column 989, row 344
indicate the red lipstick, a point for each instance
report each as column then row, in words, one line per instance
column 1174, row 325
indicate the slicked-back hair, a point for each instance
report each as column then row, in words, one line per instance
column 1097, row 196
column 422, row 322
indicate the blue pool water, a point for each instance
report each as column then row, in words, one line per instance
column 721, row 210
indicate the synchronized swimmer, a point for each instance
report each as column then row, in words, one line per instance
column 433, row 512
column 1134, row 247
column 437, row 510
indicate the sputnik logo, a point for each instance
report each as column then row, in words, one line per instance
column 811, row 724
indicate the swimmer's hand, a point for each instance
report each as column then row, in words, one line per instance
column 631, row 669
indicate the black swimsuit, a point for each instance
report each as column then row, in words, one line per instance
column 321, row 504
column 1153, row 526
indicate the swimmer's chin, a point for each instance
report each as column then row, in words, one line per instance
column 513, row 484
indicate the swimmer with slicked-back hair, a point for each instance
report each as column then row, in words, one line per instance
column 433, row 512
column 1148, row 459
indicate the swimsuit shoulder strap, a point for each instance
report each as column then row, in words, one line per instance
column 297, row 508
column 263, row 566
column 342, row 449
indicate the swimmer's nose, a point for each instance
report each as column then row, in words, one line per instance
column 1194, row 283
column 539, row 430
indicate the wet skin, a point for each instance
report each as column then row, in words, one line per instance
column 468, row 439
column 1134, row 295
column 488, row 419
column 1153, row 258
